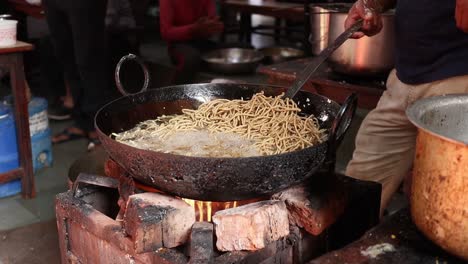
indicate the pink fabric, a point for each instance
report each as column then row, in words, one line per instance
column 177, row 17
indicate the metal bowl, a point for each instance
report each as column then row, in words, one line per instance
column 233, row 60
column 280, row 54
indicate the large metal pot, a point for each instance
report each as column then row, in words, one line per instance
column 320, row 24
column 365, row 56
column 439, row 192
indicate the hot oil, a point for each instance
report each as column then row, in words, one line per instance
column 200, row 143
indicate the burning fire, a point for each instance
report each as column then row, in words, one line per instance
column 205, row 210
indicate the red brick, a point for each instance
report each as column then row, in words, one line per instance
column 311, row 210
column 155, row 220
column 251, row 226
column 201, row 248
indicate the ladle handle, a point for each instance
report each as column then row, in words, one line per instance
column 315, row 62
column 340, row 126
column 117, row 73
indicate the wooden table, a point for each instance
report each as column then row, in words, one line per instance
column 277, row 9
column 284, row 74
column 271, row 8
column 12, row 59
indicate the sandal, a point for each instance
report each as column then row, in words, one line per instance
column 67, row 136
column 93, row 143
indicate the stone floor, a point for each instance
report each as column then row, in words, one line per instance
column 32, row 244
column 16, row 211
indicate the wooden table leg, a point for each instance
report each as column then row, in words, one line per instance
column 22, row 124
column 245, row 27
column 277, row 29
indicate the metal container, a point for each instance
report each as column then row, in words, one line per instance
column 280, row 54
column 233, row 60
column 439, row 200
column 217, row 178
column 319, row 25
column 365, row 56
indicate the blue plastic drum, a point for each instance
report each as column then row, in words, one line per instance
column 41, row 145
column 8, row 150
column 8, row 146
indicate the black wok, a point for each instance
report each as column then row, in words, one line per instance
column 217, row 179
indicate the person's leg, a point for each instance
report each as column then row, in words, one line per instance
column 53, row 82
column 386, row 139
column 51, row 86
column 452, row 85
column 188, row 60
column 68, row 98
column 62, row 40
column 88, row 28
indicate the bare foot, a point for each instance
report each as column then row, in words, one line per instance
column 94, row 141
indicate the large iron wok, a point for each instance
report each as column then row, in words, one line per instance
column 216, row 179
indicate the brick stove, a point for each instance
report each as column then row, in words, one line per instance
column 294, row 226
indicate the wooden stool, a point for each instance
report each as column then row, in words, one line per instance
column 12, row 58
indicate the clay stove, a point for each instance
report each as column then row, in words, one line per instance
column 109, row 220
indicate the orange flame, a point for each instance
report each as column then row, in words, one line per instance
column 205, row 210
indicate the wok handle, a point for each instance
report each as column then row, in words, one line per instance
column 117, row 73
column 94, row 180
column 341, row 124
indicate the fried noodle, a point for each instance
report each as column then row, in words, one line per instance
column 272, row 123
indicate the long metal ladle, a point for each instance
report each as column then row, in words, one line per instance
column 312, row 67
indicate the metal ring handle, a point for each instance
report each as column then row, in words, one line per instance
column 94, row 180
column 117, row 74
column 341, row 124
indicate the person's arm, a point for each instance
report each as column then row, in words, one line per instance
column 369, row 11
column 378, row 6
column 204, row 27
column 216, row 26
column 211, row 8
column 169, row 31
column 461, row 15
